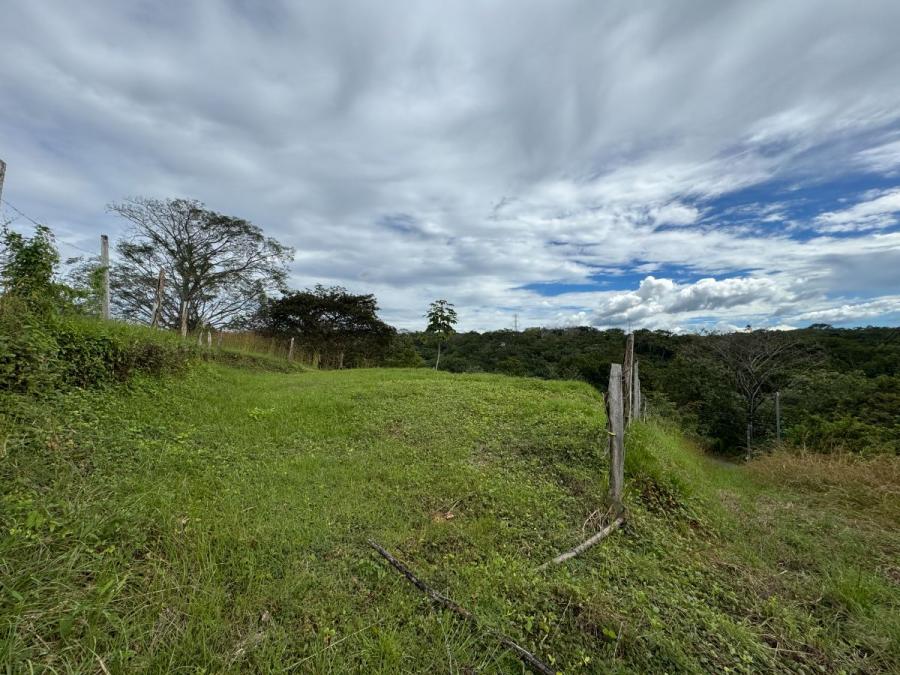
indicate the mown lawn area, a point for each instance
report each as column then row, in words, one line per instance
column 217, row 522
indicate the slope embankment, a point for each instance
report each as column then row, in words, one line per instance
column 218, row 521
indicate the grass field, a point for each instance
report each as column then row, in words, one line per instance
column 217, row 522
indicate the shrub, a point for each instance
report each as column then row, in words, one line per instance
column 93, row 351
column 28, row 350
column 38, row 354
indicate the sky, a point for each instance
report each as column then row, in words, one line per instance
column 682, row 166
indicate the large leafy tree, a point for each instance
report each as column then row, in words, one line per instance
column 217, row 268
column 442, row 318
column 340, row 326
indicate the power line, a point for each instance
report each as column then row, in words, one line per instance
column 37, row 224
column 21, row 213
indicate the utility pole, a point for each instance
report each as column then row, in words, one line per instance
column 2, row 176
column 104, row 262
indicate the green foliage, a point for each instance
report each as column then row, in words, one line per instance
column 46, row 344
column 853, row 391
column 27, row 270
column 38, row 354
column 342, row 327
column 441, row 320
column 28, row 350
column 401, row 353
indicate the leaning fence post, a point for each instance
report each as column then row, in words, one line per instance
column 291, row 351
column 627, row 377
column 616, row 435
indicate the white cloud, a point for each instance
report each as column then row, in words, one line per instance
column 884, row 157
column 664, row 299
column 858, row 311
column 877, row 213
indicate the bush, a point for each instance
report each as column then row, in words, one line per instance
column 28, row 351
column 38, row 354
column 93, row 351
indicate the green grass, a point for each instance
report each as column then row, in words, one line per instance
column 217, row 522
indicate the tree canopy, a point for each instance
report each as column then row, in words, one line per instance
column 342, row 327
column 217, row 268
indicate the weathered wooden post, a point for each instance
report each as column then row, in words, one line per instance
column 157, row 302
column 636, row 395
column 615, row 421
column 104, row 265
column 200, row 337
column 291, row 350
column 778, row 416
column 184, row 318
column 219, row 340
column 208, row 339
column 628, row 376
column 749, row 435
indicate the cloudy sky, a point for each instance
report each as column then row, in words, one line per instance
column 677, row 165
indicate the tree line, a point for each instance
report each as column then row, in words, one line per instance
column 839, row 387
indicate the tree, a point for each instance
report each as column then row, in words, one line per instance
column 218, row 268
column 441, row 320
column 331, row 321
column 27, row 268
column 756, row 362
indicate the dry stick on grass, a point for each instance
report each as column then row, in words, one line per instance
column 527, row 657
column 585, row 545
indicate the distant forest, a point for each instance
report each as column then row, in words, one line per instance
column 839, row 388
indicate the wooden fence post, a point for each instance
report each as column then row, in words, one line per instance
column 208, row 339
column 628, row 377
column 291, row 351
column 636, row 395
column 219, row 340
column 104, row 263
column 616, row 436
column 157, row 303
column 200, row 337
column 184, row 318
column 778, row 415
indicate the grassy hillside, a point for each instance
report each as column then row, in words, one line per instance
column 217, row 522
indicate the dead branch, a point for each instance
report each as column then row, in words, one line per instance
column 527, row 657
column 585, row 545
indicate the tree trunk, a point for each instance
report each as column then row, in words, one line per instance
column 438, row 361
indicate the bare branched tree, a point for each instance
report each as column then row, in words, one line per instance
column 756, row 362
column 217, row 268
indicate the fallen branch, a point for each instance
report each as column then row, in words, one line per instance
column 585, row 545
column 527, row 657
